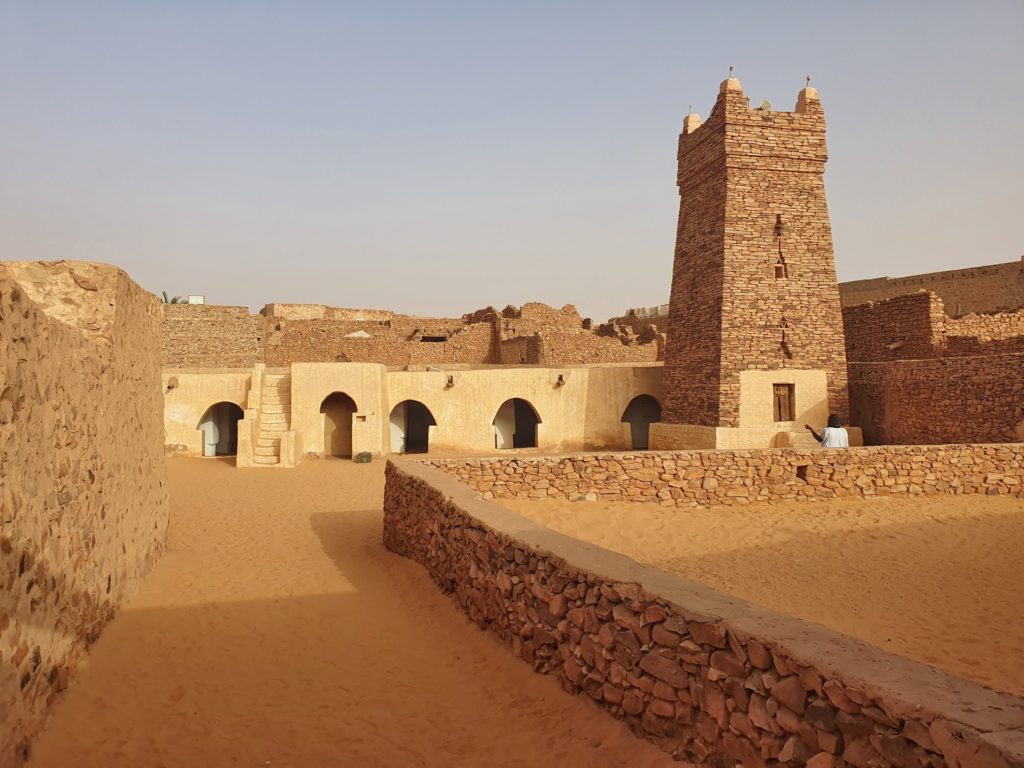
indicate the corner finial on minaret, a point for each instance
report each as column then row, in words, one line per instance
column 808, row 94
column 731, row 83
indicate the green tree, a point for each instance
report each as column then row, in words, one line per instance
column 171, row 300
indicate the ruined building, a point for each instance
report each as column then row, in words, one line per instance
column 755, row 341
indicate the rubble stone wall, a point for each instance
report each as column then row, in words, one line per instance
column 725, row 478
column 990, row 288
column 83, row 485
column 211, row 336
column 916, row 327
column 709, row 678
column 939, row 400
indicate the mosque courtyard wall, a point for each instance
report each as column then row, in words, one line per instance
column 710, row 678
column 83, row 485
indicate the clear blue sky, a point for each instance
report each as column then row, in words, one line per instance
column 434, row 158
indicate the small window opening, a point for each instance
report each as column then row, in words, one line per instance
column 434, row 339
column 779, row 229
column 780, row 270
column 801, row 472
column 783, row 402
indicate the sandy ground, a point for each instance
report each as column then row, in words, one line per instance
column 937, row 580
column 277, row 631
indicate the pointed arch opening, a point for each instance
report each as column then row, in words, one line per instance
column 338, row 409
column 411, row 421
column 515, row 424
column 642, row 411
column 219, row 426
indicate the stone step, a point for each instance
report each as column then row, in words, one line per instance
column 274, row 418
column 277, row 408
column 280, row 426
column 276, row 400
column 268, row 442
column 267, row 450
column 266, row 460
column 277, row 381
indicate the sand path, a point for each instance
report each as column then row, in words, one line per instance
column 277, row 631
column 939, row 580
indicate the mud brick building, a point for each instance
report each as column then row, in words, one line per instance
column 755, row 339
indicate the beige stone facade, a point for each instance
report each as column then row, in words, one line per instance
column 83, row 487
column 754, row 283
column 578, row 407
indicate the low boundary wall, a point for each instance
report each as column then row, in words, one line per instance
column 701, row 478
column 709, row 678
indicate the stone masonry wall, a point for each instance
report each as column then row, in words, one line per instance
column 211, row 336
column 83, row 488
column 916, row 326
column 991, row 288
column 727, row 478
column 709, row 678
column 753, row 281
column 939, row 400
column 901, row 328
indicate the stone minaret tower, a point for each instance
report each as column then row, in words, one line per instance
column 755, row 342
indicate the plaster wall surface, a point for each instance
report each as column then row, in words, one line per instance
column 312, row 383
column 585, row 411
column 83, row 486
column 187, row 397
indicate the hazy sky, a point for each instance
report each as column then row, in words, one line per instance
column 437, row 157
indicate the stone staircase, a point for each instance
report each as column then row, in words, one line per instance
column 274, row 417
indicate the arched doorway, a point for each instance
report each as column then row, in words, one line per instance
column 219, row 426
column 515, row 425
column 338, row 409
column 642, row 411
column 410, row 427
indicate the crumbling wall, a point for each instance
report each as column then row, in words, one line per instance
column 211, row 336
column 939, row 400
column 83, row 488
column 991, row 288
column 711, row 679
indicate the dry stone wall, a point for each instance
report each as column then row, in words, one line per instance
column 725, row 478
column 83, row 488
column 709, row 678
column 992, row 288
column 210, row 336
column 916, row 327
column 939, row 400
